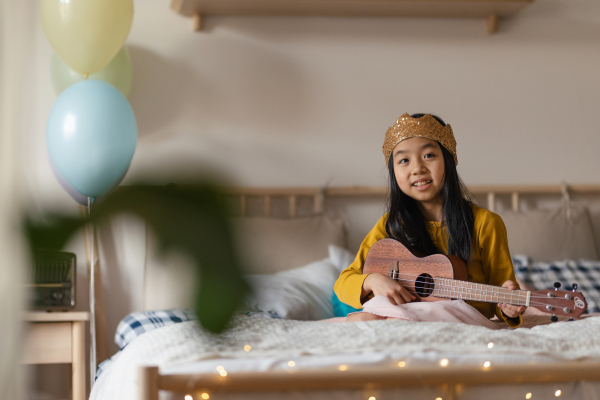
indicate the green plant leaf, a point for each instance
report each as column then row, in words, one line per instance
column 190, row 219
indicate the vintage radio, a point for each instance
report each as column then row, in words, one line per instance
column 53, row 277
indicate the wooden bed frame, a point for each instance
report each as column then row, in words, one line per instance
column 452, row 378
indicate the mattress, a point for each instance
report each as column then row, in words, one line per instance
column 265, row 344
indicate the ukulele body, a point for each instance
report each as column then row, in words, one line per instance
column 415, row 274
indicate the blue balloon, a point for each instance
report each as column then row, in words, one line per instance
column 91, row 136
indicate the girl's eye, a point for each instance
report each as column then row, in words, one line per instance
column 403, row 161
column 429, row 155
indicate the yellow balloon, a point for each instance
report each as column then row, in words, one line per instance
column 118, row 72
column 86, row 34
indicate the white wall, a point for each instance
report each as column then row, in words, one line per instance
column 306, row 101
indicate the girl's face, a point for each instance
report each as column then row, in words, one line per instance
column 419, row 169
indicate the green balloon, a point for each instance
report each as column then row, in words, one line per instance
column 118, row 72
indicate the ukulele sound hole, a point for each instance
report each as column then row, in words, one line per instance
column 424, row 285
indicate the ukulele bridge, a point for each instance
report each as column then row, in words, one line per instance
column 394, row 271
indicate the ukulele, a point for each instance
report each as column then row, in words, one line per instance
column 444, row 277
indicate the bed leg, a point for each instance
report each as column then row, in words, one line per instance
column 148, row 383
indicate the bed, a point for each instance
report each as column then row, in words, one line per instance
column 277, row 348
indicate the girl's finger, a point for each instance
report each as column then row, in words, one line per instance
column 407, row 297
column 398, row 299
column 511, row 308
column 509, row 285
column 513, row 311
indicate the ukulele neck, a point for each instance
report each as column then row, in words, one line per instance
column 455, row 289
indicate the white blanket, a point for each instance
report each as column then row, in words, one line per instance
column 186, row 342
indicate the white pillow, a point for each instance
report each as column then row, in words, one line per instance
column 302, row 293
column 340, row 257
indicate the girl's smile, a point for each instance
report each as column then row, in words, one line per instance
column 422, row 184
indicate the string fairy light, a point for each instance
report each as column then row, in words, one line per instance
column 247, row 347
column 444, row 362
column 490, row 345
column 402, row 364
column 220, row 368
column 205, row 396
column 188, row 397
column 223, row 373
column 291, row 363
column 528, row 396
column 343, row 367
column 557, row 393
column 486, row 364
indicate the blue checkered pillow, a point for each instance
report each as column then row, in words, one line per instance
column 542, row 275
column 137, row 323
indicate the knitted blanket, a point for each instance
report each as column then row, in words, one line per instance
column 186, row 342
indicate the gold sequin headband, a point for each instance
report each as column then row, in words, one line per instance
column 428, row 127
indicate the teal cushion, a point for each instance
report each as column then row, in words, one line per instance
column 341, row 309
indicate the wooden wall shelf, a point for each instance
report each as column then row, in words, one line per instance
column 492, row 10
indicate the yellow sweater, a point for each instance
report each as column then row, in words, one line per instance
column 490, row 261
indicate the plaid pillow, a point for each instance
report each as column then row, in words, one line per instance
column 137, row 323
column 542, row 275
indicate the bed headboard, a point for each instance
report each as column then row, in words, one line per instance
column 318, row 195
column 288, row 228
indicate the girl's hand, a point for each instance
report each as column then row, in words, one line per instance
column 509, row 310
column 382, row 285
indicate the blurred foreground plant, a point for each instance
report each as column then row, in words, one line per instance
column 190, row 219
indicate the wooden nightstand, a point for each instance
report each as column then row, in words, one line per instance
column 58, row 338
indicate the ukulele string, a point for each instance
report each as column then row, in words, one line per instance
column 521, row 294
column 505, row 300
column 533, row 295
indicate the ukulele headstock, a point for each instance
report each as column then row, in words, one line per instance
column 559, row 302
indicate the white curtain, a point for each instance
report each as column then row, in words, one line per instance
column 16, row 50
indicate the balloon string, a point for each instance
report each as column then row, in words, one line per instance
column 92, row 296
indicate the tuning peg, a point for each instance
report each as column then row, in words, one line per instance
column 556, row 286
column 570, row 319
column 553, row 318
column 574, row 286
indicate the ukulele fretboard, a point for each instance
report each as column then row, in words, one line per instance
column 461, row 290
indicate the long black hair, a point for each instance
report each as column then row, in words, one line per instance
column 405, row 221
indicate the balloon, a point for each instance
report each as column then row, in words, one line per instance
column 118, row 72
column 91, row 136
column 86, row 34
column 78, row 197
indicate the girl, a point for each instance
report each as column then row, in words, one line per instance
column 429, row 212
